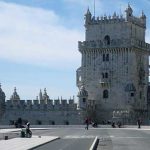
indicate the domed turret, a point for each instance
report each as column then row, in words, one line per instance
column 45, row 96
column 15, row 96
column 83, row 97
column 83, row 92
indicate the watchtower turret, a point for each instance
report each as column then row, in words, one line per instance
column 15, row 98
column 143, row 18
column 129, row 12
column 83, row 98
column 88, row 16
column 45, row 96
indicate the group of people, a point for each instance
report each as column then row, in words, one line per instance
column 119, row 124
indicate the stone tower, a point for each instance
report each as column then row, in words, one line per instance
column 115, row 65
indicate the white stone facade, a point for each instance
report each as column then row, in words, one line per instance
column 115, row 64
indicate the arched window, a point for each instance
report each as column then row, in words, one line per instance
column 106, row 75
column 84, row 100
column 107, row 57
column 103, row 75
column 103, row 57
column 107, row 40
column 105, row 94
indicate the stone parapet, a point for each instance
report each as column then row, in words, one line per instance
column 51, row 105
column 113, row 44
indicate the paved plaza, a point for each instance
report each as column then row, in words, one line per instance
column 77, row 138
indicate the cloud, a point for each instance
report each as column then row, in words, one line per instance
column 36, row 36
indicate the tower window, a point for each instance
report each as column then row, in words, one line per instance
column 105, row 94
column 107, row 40
column 132, row 94
column 105, row 57
column 106, row 75
column 84, row 100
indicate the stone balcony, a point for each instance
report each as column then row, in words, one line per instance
column 114, row 43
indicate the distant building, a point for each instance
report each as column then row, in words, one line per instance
column 115, row 67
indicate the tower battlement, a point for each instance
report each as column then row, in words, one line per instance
column 105, row 19
column 115, row 27
column 115, row 18
column 41, row 103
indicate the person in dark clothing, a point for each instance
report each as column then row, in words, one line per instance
column 28, row 131
column 113, row 125
column 139, row 123
column 87, row 123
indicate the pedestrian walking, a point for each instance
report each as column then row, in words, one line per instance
column 87, row 123
column 139, row 123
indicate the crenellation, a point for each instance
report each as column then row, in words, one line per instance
column 29, row 102
column 22, row 102
column 40, row 104
column 50, row 102
column 63, row 102
column 129, row 27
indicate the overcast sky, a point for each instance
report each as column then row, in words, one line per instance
column 39, row 42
